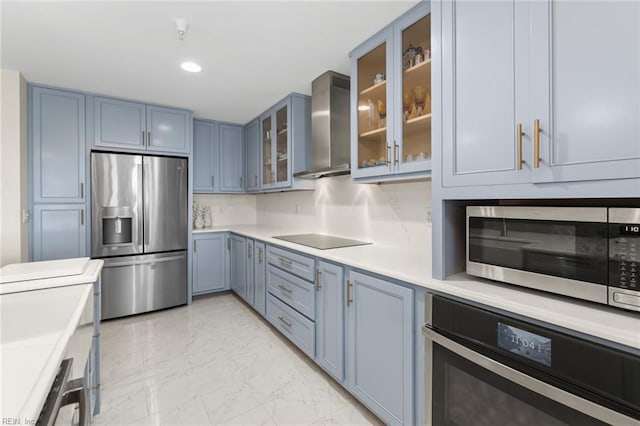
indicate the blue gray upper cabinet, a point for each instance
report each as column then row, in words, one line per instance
column 59, row 231
column 330, row 319
column 206, row 147
column 168, row 130
column 586, row 89
column 119, row 124
column 57, row 136
column 129, row 125
column 231, row 158
column 391, row 118
column 551, row 107
column 210, row 260
column 380, row 347
column 252, row 149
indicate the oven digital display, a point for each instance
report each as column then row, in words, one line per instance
column 524, row 343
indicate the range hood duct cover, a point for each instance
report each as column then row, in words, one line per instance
column 330, row 126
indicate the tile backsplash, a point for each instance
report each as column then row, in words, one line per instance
column 232, row 209
column 395, row 214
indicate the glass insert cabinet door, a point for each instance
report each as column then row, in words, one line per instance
column 373, row 148
column 413, row 95
column 282, row 142
column 267, row 135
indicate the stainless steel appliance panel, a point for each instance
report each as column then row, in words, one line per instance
column 136, row 284
column 320, row 241
column 165, row 204
column 624, row 258
column 116, row 203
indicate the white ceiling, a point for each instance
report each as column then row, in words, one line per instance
column 252, row 53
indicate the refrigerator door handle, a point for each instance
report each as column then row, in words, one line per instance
column 144, row 262
column 139, row 241
column 147, row 206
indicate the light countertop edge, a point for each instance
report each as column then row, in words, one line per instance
column 603, row 322
column 47, row 371
column 90, row 275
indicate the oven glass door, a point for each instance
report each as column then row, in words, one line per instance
column 465, row 387
column 565, row 249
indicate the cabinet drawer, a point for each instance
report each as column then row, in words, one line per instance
column 300, row 330
column 302, row 266
column 295, row 292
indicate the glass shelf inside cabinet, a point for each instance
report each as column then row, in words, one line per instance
column 282, row 151
column 267, row 135
column 416, row 91
column 372, row 108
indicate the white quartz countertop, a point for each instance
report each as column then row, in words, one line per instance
column 30, row 276
column 415, row 268
column 36, row 327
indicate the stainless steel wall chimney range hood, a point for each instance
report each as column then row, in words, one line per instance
column 331, row 150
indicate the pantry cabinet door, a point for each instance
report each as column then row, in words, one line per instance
column 231, row 159
column 484, row 91
column 585, row 70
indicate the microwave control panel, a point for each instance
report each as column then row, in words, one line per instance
column 624, row 256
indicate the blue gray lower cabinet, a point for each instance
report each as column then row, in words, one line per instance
column 92, row 368
column 294, row 291
column 298, row 328
column 238, row 270
column 210, row 270
column 380, row 346
column 249, row 294
column 59, row 231
column 330, row 319
column 260, row 277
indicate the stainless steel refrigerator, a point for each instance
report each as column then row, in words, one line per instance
column 139, row 227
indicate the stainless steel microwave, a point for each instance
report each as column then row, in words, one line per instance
column 590, row 253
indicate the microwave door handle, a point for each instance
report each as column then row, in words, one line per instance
column 537, row 386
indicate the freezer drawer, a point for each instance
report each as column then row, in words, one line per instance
column 136, row 284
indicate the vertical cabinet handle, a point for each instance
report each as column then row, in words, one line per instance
column 519, row 135
column 318, row 279
column 194, row 245
column 260, row 255
column 536, row 143
column 81, row 190
column 389, row 156
column 240, row 181
column 213, row 181
column 349, row 299
column 142, row 139
column 249, row 252
column 395, row 153
column 256, row 180
column 148, row 139
column 228, row 243
column 81, row 217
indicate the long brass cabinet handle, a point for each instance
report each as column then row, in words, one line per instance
column 285, row 322
column 288, row 290
column 536, row 143
column 318, row 279
column 349, row 299
column 519, row 146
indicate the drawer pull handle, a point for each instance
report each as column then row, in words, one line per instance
column 288, row 290
column 285, row 322
column 285, row 261
column 318, row 279
column 349, row 299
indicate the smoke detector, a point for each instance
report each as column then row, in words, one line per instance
column 181, row 26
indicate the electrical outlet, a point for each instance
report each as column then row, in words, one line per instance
column 429, row 216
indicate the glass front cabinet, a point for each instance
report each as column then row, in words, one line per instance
column 391, row 100
column 276, row 146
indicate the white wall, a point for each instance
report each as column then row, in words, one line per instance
column 233, row 209
column 394, row 214
column 13, row 167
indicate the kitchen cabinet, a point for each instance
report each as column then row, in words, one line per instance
column 59, row 231
column 206, row 146
column 552, row 107
column 210, row 260
column 252, row 150
column 249, row 294
column 330, row 319
column 380, row 346
column 259, row 269
column 285, row 141
column 120, row 124
column 238, row 265
column 57, row 146
column 391, row 100
column 231, row 158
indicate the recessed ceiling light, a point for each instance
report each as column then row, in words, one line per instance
column 191, row 67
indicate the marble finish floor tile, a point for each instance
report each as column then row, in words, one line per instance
column 214, row 362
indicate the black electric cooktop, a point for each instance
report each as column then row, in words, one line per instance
column 320, row 241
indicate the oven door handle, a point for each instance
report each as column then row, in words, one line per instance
column 572, row 401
